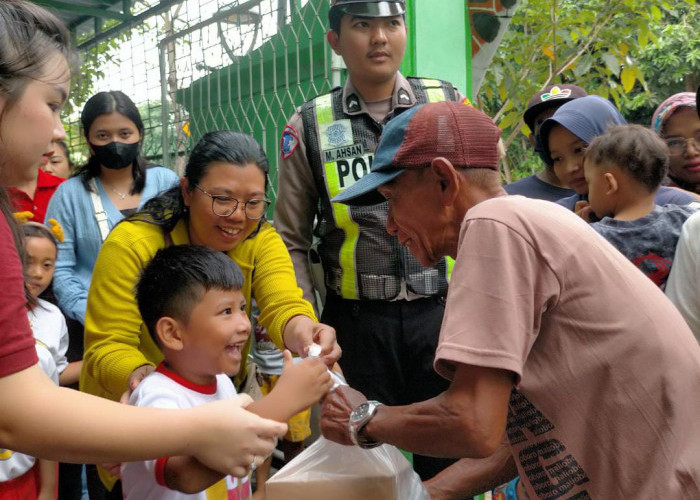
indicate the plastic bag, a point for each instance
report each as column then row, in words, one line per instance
column 253, row 381
column 327, row 470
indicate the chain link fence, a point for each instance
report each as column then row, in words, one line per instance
column 203, row 65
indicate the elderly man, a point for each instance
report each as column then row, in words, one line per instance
column 550, row 336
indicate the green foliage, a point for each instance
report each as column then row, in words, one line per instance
column 635, row 52
column 675, row 57
column 91, row 63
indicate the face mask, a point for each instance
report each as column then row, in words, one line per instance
column 116, row 155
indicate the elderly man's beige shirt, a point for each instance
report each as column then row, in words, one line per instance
column 607, row 399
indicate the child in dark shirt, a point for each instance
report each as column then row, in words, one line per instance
column 624, row 168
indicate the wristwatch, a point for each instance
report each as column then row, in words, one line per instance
column 359, row 417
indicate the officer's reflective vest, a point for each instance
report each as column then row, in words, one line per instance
column 360, row 259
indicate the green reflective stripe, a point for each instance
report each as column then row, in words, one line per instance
column 324, row 109
column 434, row 89
column 450, row 264
column 341, row 212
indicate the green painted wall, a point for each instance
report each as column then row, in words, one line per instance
column 439, row 41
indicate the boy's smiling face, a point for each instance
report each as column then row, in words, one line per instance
column 214, row 336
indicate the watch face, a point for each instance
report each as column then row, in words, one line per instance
column 360, row 412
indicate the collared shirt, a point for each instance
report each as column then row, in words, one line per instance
column 46, row 186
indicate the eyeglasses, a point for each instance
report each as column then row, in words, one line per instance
column 677, row 145
column 223, row 206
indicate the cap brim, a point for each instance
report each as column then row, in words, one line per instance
column 364, row 191
column 532, row 112
column 373, row 9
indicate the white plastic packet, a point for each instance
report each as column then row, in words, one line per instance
column 327, row 470
column 314, row 351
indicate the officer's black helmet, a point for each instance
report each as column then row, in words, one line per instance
column 369, row 8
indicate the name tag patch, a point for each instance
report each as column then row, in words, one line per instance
column 342, row 153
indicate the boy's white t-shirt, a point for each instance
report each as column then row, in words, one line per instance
column 165, row 389
column 49, row 328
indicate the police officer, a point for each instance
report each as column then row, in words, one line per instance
column 386, row 307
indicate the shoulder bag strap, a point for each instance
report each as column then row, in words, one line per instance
column 100, row 214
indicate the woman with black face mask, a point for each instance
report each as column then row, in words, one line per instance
column 113, row 184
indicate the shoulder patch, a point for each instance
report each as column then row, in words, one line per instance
column 466, row 101
column 289, row 141
column 404, row 97
column 353, row 103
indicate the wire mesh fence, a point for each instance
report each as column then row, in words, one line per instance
column 203, row 65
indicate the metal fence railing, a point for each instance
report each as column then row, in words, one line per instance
column 203, row 65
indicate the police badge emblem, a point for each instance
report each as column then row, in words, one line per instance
column 336, row 134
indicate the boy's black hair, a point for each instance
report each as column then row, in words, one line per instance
column 177, row 278
column 635, row 149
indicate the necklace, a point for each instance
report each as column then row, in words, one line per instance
column 121, row 195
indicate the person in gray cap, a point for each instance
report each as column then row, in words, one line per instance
column 545, row 184
column 567, row 365
column 385, row 306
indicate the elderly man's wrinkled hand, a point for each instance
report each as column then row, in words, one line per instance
column 335, row 413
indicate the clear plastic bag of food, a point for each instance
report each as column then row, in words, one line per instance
column 331, row 471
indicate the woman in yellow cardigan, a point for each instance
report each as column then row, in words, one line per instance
column 220, row 203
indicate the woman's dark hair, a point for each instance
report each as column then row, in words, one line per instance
column 104, row 103
column 227, row 146
column 30, row 36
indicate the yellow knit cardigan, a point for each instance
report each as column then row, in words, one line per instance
column 116, row 339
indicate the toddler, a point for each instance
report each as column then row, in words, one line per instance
column 624, row 168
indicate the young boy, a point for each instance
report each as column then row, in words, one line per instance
column 624, row 168
column 191, row 302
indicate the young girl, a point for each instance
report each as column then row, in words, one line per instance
column 45, row 319
column 23, row 476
